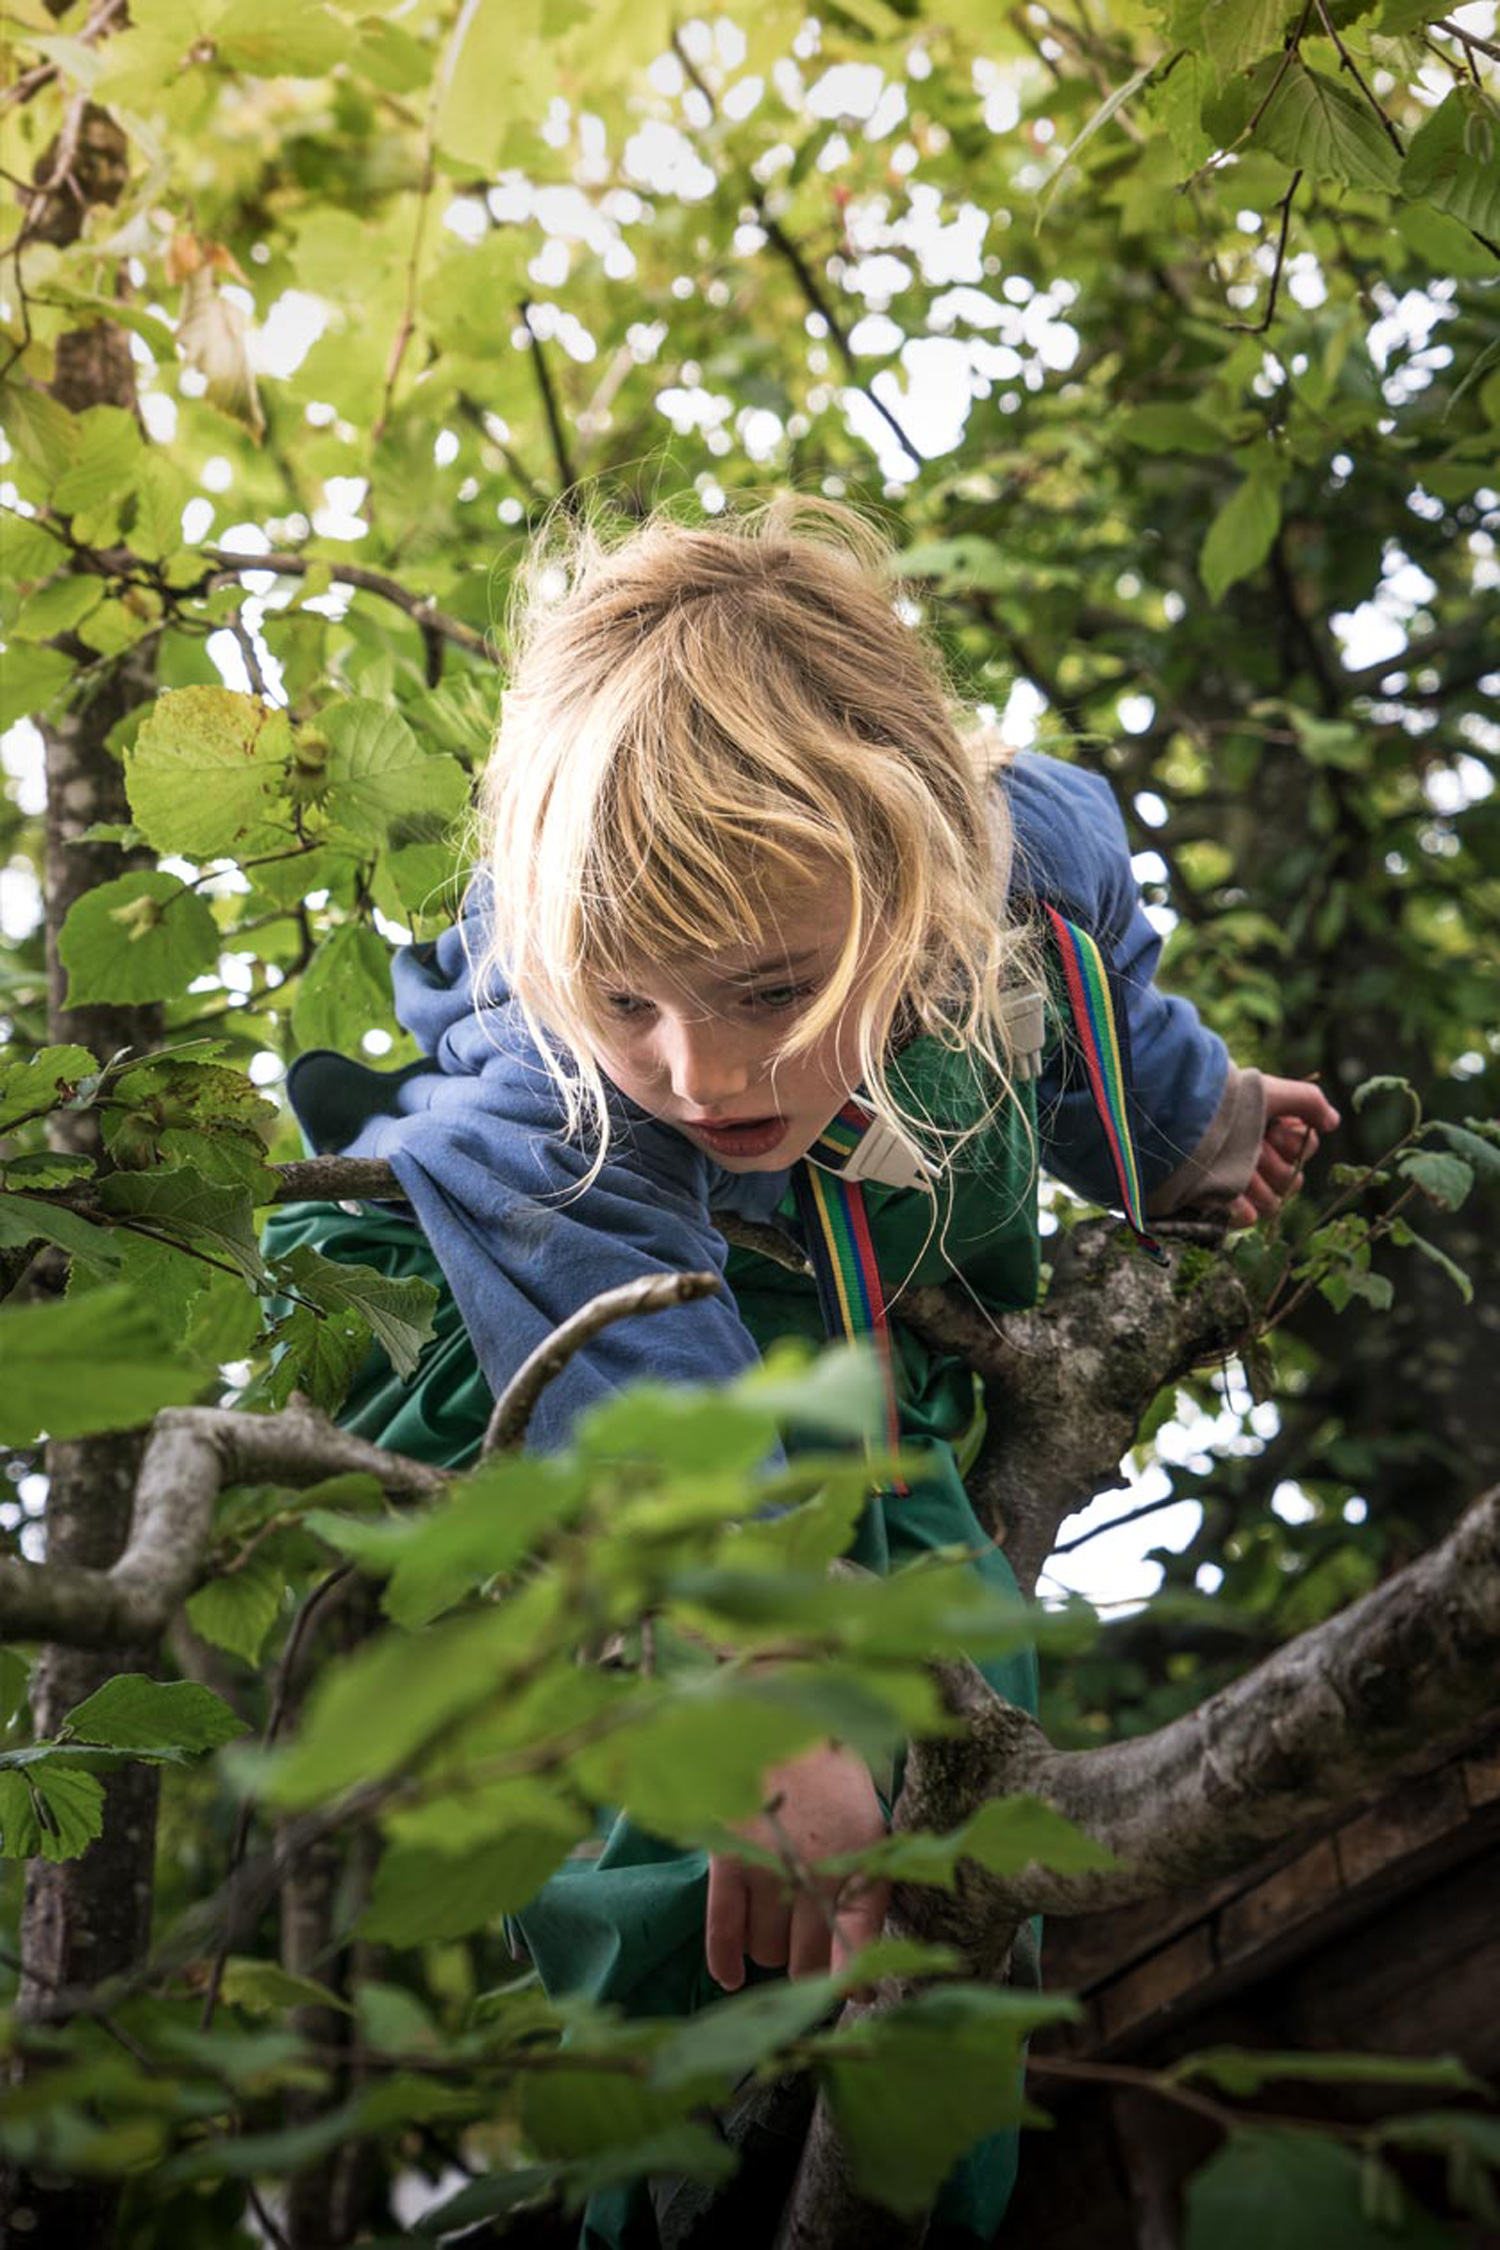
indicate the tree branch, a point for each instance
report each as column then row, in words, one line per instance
column 1330, row 1718
column 517, row 1402
column 1067, row 1385
column 418, row 607
column 192, row 1453
column 1336, row 1714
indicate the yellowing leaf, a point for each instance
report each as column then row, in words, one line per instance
column 208, row 774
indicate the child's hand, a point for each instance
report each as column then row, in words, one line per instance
column 1297, row 1112
column 827, row 1804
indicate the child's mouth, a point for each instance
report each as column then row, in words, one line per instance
column 752, row 1136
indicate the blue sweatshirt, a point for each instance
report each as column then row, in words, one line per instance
column 473, row 1132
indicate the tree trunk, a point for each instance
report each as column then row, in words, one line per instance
column 86, row 1919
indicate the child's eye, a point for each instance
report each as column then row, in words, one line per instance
column 776, row 998
column 625, row 1004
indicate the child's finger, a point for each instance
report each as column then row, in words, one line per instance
column 768, row 1921
column 724, row 1925
column 809, row 1939
column 860, row 1917
column 1292, row 1137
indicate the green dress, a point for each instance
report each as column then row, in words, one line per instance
column 626, row 1925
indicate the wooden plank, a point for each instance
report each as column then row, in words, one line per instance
column 1290, row 1895
column 1397, row 1827
column 1154, row 1986
column 1481, row 1772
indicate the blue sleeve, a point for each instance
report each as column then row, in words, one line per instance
column 493, row 1184
column 1072, row 851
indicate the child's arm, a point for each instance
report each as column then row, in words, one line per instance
column 1208, row 1134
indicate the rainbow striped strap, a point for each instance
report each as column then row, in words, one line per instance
column 836, row 1229
column 841, row 1137
column 1098, row 1037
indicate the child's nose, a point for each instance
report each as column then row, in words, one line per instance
column 704, row 1067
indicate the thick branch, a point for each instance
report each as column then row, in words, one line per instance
column 192, row 1454
column 1067, row 1386
column 1329, row 1718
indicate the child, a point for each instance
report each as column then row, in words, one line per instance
column 741, row 861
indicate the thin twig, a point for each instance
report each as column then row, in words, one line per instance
column 418, row 607
column 245, row 641
column 405, row 327
column 32, row 81
column 1172, row 1499
column 786, row 249
column 517, row 1402
column 1469, row 38
column 280, row 1695
column 566, row 475
column 1347, row 62
column 1259, row 327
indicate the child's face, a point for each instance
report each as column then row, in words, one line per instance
column 693, row 1040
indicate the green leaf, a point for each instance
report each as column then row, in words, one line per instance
column 568, row 2113
column 1005, row 1836
column 44, row 1168
column 208, row 774
column 377, row 1708
column 1241, row 534
column 1113, row 102
column 1444, row 1180
column 486, row 1528
column 31, row 680
column 50, row 1812
column 420, row 1896
column 1312, row 123
column 1236, row 33
column 43, row 432
column 282, row 39
column 732, row 2037
column 131, row 1370
column 1482, row 1155
column 236, row 1612
column 1439, row 1258
column 23, row 1219
column 1295, row 2189
column 1453, row 161
column 319, row 1353
column 940, row 2074
column 1243, row 2071
column 161, row 494
column 43, row 1081
column 345, row 990
column 398, row 1313
column 1169, row 429
column 1368, row 1088
column 57, row 608
column 133, row 1712
column 145, row 936
column 202, row 1213
column 379, row 778
column 264, row 1987
column 106, row 457
column 461, row 1820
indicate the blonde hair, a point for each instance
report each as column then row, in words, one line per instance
column 692, row 710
